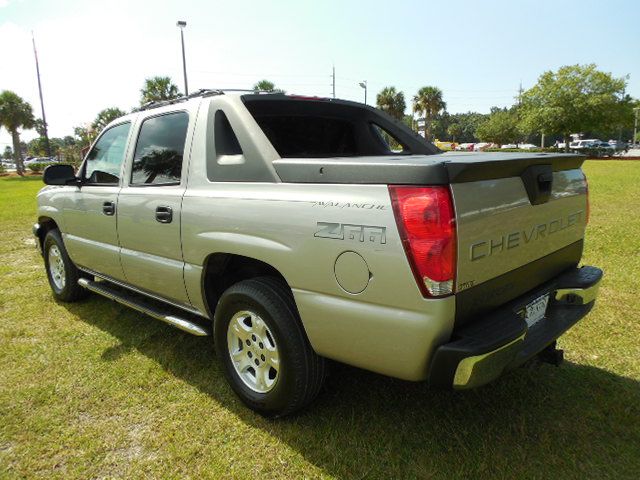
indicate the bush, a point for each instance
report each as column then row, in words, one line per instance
column 37, row 167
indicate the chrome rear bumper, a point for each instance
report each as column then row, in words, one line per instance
column 481, row 351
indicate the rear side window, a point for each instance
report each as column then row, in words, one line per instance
column 389, row 141
column 160, row 149
column 226, row 140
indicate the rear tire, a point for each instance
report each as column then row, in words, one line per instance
column 62, row 274
column 263, row 348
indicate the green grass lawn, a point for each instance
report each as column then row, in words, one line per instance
column 94, row 390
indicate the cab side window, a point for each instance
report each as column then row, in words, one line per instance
column 105, row 158
column 159, row 150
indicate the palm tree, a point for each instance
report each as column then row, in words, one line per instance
column 392, row 102
column 454, row 131
column 157, row 89
column 15, row 114
column 105, row 117
column 266, row 86
column 428, row 101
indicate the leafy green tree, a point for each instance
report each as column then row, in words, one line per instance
column 501, row 127
column 85, row 135
column 157, row 89
column 38, row 146
column 8, row 153
column 38, row 126
column 105, row 117
column 392, row 102
column 409, row 121
column 454, row 131
column 429, row 102
column 15, row 114
column 267, row 86
column 469, row 123
column 576, row 98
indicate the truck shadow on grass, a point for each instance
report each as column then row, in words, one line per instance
column 570, row 422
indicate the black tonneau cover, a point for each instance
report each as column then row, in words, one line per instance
column 439, row 169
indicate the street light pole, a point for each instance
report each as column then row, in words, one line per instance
column 364, row 85
column 181, row 24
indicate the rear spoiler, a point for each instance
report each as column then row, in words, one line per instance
column 440, row 169
column 469, row 168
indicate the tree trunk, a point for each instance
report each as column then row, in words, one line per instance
column 17, row 153
column 427, row 127
column 566, row 143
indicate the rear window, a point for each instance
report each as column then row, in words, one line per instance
column 324, row 128
column 309, row 136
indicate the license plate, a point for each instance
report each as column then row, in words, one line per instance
column 535, row 311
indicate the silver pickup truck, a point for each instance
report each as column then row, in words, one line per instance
column 300, row 229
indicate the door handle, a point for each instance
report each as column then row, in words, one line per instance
column 109, row 208
column 164, row 214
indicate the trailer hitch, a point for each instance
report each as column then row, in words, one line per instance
column 552, row 354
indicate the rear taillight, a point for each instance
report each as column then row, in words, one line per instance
column 426, row 222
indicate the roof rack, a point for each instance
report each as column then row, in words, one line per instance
column 203, row 92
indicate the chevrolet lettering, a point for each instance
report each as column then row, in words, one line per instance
column 511, row 240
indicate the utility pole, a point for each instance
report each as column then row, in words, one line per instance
column 520, row 94
column 47, row 146
column 334, row 81
column 182, row 24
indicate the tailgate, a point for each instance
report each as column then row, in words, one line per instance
column 516, row 230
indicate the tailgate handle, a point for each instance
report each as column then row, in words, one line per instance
column 538, row 181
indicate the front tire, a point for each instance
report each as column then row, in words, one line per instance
column 263, row 348
column 63, row 275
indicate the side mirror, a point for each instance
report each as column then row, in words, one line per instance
column 59, row 175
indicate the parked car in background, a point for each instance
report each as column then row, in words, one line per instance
column 618, row 145
column 40, row 161
column 580, row 144
column 445, row 145
column 479, row 147
column 509, row 145
column 465, row 147
column 527, row 146
column 8, row 165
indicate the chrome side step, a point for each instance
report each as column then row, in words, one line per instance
column 129, row 300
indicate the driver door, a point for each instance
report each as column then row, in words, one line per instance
column 91, row 229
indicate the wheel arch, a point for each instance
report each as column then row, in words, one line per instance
column 46, row 224
column 221, row 270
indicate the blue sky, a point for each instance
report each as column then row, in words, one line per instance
column 96, row 54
